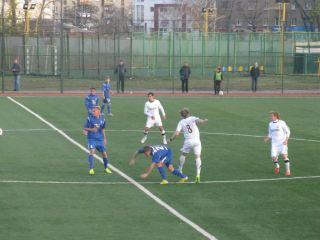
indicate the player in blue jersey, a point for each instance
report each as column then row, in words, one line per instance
column 106, row 90
column 161, row 155
column 91, row 101
column 94, row 130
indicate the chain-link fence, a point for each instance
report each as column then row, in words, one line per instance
column 77, row 61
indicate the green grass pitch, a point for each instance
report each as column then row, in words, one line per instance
column 268, row 207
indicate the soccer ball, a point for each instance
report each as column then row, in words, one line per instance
column 221, row 93
column 1, row 131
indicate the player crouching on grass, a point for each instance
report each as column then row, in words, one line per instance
column 161, row 155
column 279, row 133
column 97, row 139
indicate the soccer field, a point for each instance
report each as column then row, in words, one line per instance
column 46, row 192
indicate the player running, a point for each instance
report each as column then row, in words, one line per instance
column 279, row 133
column 151, row 109
column 106, row 90
column 91, row 101
column 188, row 125
column 97, row 139
column 161, row 155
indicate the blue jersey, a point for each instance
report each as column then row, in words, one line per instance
column 91, row 101
column 106, row 89
column 97, row 122
column 160, row 153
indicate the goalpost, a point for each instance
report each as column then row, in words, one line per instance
column 41, row 60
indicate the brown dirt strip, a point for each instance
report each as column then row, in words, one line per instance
column 162, row 93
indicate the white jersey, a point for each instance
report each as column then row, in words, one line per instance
column 151, row 109
column 278, row 131
column 189, row 127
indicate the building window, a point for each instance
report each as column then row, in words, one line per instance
column 225, row 4
column 140, row 13
column 308, row 5
column 238, row 23
column 151, row 9
column 252, row 5
column 293, row 22
column 293, row 6
column 163, row 9
column 140, row 1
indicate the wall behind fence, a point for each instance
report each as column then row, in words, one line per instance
column 158, row 57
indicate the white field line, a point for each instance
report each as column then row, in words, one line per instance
column 149, row 183
column 125, row 176
column 132, row 130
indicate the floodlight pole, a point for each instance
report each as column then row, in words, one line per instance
column 61, row 47
column 2, row 47
column 283, row 19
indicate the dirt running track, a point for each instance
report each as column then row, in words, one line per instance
column 176, row 94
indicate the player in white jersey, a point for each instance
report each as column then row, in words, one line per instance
column 188, row 125
column 152, row 109
column 279, row 133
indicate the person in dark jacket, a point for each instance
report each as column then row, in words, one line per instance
column 254, row 73
column 121, row 71
column 16, row 74
column 184, row 77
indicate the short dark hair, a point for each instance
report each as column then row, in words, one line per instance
column 184, row 112
column 150, row 93
column 147, row 149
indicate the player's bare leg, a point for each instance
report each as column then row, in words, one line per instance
column 163, row 133
column 145, row 137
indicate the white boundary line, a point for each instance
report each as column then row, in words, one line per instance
column 149, row 183
column 131, row 180
column 132, row 130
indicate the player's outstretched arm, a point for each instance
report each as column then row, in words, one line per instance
column 266, row 139
column 174, row 135
column 151, row 167
column 200, row 121
column 134, row 158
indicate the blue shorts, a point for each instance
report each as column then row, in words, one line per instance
column 99, row 145
column 167, row 160
column 107, row 100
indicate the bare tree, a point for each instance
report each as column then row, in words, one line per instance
column 310, row 17
column 251, row 12
column 194, row 9
column 13, row 13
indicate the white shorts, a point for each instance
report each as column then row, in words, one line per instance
column 153, row 122
column 194, row 145
column 277, row 149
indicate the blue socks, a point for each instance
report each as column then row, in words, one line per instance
column 162, row 172
column 90, row 161
column 105, row 162
column 178, row 173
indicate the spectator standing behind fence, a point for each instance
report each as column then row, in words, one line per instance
column 121, row 71
column 184, row 77
column 217, row 79
column 254, row 73
column 16, row 74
